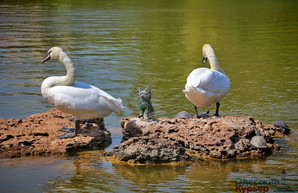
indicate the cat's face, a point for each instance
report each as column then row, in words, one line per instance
column 144, row 93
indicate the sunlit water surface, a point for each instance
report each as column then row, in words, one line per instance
column 119, row 46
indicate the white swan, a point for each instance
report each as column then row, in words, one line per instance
column 205, row 86
column 82, row 100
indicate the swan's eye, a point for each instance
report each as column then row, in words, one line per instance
column 49, row 52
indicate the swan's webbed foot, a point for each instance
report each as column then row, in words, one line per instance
column 98, row 121
column 71, row 119
column 71, row 132
column 202, row 115
column 67, row 135
column 67, row 129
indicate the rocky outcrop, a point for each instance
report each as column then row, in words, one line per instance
column 37, row 135
column 177, row 139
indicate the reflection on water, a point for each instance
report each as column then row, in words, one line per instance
column 29, row 174
column 89, row 172
column 121, row 45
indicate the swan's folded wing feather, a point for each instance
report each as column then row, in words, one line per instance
column 115, row 104
column 208, row 80
column 73, row 98
column 85, row 97
column 78, row 84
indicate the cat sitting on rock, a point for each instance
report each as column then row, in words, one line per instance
column 145, row 105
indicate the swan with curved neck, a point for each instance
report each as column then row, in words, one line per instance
column 82, row 100
column 205, row 86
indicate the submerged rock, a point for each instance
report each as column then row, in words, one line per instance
column 179, row 139
column 37, row 135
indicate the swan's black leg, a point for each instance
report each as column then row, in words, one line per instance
column 73, row 133
column 207, row 113
column 217, row 108
column 196, row 109
column 77, row 126
column 100, row 123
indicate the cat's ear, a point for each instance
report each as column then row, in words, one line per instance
column 148, row 89
column 139, row 89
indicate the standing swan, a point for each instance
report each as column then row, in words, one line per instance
column 82, row 100
column 205, row 86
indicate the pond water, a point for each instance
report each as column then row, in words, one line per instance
column 119, row 46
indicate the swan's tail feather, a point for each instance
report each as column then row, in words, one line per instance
column 190, row 89
column 120, row 106
column 115, row 104
column 200, row 98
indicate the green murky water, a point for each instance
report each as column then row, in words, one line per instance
column 121, row 45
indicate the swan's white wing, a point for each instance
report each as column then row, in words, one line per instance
column 208, row 80
column 115, row 104
column 205, row 86
column 84, row 101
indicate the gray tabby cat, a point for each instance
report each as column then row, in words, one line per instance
column 144, row 104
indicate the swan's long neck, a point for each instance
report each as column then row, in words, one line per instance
column 53, row 81
column 70, row 77
column 214, row 63
column 209, row 53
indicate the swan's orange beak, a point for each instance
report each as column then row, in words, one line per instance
column 46, row 59
column 204, row 60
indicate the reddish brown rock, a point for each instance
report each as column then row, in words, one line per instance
column 175, row 140
column 37, row 135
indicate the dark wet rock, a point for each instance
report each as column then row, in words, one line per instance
column 284, row 128
column 37, row 135
column 150, row 150
column 193, row 139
